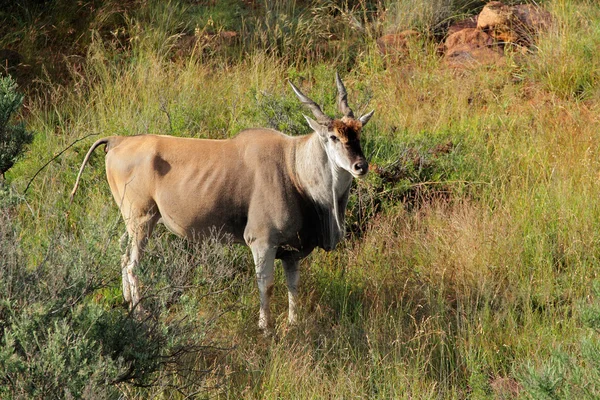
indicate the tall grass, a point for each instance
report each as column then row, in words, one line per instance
column 470, row 265
column 571, row 39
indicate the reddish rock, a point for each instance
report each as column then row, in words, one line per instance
column 469, row 36
column 531, row 20
column 469, row 48
column 467, row 56
column 498, row 20
column 396, row 44
column 534, row 17
column 470, row 22
column 494, row 14
column 516, row 24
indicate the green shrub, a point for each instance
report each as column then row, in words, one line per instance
column 63, row 336
column 13, row 137
column 570, row 371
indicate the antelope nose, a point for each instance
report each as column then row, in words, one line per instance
column 361, row 167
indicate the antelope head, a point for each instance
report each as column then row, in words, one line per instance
column 340, row 137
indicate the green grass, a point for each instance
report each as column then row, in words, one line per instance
column 470, row 270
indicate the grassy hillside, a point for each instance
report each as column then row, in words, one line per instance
column 471, row 264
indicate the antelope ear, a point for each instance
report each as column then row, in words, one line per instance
column 315, row 126
column 365, row 118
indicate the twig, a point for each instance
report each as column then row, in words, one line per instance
column 163, row 108
column 426, row 183
column 54, row 158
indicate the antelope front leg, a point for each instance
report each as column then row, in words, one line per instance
column 264, row 259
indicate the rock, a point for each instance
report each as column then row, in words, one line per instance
column 469, row 36
column 532, row 19
column 396, row 44
column 470, row 22
column 468, row 56
column 494, row 14
column 498, row 20
column 516, row 24
column 469, row 48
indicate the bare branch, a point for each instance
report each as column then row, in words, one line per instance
column 55, row 157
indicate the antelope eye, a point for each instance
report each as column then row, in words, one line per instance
column 333, row 138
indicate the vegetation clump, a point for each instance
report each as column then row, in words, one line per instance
column 13, row 137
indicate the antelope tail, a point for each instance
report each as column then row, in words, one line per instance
column 99, row 142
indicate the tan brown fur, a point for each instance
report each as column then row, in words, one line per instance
column 274, row 192
column 347, row 129
column 282, row 196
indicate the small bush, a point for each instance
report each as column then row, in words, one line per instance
column 412, row 175
column 62, row 336
column 573, row 371
column 13, row 137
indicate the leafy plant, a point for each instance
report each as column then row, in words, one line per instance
column 13, row 137
column 63, row 336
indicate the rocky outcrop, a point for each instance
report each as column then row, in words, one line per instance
column 470, row 57
column 480, row 39
column 470, row 47
column 513, row 24
column 531, row 20
column 471, row 37
column 470, row 22
column 497, row 19
column 498, row 27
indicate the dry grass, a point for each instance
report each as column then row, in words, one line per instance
column 475, row 263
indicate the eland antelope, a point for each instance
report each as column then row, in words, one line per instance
column 282, row 196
